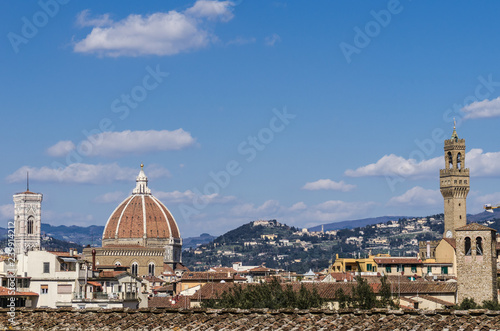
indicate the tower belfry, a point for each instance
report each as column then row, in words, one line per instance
column 27, row 221
column 454, row 184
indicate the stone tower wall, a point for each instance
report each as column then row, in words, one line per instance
column 476, row 274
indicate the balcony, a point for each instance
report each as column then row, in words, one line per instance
column 103, row 296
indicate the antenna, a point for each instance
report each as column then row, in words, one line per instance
column 27, row 180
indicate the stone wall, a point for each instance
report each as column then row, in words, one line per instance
column 232, row 319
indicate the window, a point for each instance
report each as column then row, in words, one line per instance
column 64, row 266
column 44, row 289
column 399, row 268
column 151, row 269
column 413, row 268
column 450, row 160
column 429, row 269
column 459, row 160
column 479, row 246
column 64, row 289
column 134, row 268
column 30, row 225
column 46, row 267
column 467, row 246
column 388, row 269
column 444, row 270
column 368, row 267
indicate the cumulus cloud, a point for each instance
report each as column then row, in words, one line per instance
column 480, row 164
column 212, row 10
column 482, row 109
column 272, row 39
column 328, row 184
column 114, row 144
column 62, row 148
column 7, row 212
column 187, row 197
column 82, row 173
column 162, row 33
column 110, row 197
column 417, row 197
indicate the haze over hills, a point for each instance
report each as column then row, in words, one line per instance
column 356, row 223
column 91, row 235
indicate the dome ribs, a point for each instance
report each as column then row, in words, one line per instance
column 110, row 230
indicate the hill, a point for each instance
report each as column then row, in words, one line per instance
column 356, row 223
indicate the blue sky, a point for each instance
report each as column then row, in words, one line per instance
column 305, row 112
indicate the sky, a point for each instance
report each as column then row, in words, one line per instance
column 304, row 112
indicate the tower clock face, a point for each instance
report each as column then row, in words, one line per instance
column 448, row 234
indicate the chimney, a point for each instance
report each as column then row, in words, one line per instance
column 71, row 252
column 428, row 249
column 93, row 260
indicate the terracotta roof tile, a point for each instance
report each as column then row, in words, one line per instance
column 475, row 227
column 451, row 241
column 6, row 292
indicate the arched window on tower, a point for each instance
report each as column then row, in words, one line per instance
column 134, row 268
column 459, row 161
column 450, row 160
column 479, row 246
column 467, row 246
column 29, row 227
column 151, row 269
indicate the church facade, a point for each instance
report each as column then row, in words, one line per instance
column 141, row 234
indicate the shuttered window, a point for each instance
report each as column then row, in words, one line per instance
column 64, row 288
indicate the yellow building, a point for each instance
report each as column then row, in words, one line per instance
column 355, row 265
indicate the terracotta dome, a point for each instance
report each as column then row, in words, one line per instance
column 141, row 219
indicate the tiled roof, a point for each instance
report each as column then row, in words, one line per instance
column 437, row 300
column 340, row 276
column 222, row 269
column 425, row 287
column 6, row 292
column 166, row 302
column 152, row 279
column 397, row 260
column 110, row 273
column 451, row 241
column 474, row 227
column 259, row 269
column 210, row 276
column 90, row 282
column 64, row 254
column 256, row 319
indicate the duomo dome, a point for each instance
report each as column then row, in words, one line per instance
column 141, row 220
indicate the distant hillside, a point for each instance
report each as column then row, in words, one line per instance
column 193, row 242
column 356, row 223
column 484, row 216
column 90, row 235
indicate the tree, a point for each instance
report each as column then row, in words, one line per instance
column 385, row 293
column 271, row 295
column 363, row 296
column 467, row 304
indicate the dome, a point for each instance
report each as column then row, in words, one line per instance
column 141, row 219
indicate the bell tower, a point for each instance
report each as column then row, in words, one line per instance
column 454, row 184
column 27, row 221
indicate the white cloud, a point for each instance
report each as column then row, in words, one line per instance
column 272, row 39
column 479, row 201
column 156, row 34
column 7, row 212
column 241, row 41
column 110, row 197
column 188, row 196
column 212, row 10
column 82, row 173
column 113, row 144
column 62, row 148
column 328, row 184
column 392, row 165
column 83, row 19
column 417, row 197
column 480, row 164
column 482, row 109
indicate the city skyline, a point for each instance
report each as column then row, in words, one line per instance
column 312, row 115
